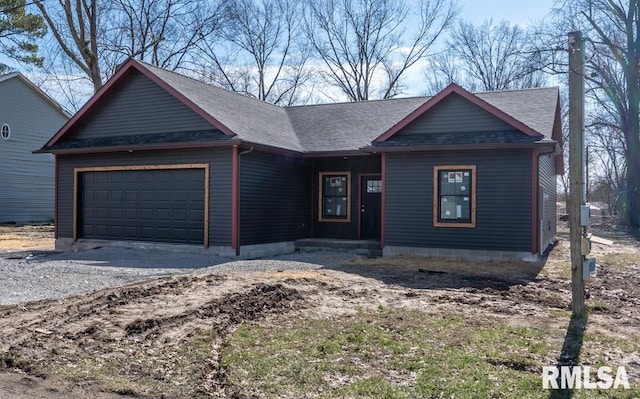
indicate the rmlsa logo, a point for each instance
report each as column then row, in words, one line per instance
column 584, row 377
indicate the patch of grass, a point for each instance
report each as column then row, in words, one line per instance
column 619, row 260
column 597, row 305
column 557, row 269
column 390, row 354
column 560, row 313
column 107, row 374
column 175, row 372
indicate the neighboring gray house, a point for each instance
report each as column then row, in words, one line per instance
column 28, row 117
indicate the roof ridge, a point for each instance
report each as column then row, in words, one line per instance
column 359, row 102
column 516, row 90
column 147, row 65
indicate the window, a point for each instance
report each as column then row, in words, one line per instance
column 335, row 197
column 454, row 196
column 374, row 186
column 5, row 132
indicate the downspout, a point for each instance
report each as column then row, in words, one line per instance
column 554, row 150
column 250, row 150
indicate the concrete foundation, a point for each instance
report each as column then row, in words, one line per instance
column 67, row 244
column 266, row 250
column 467, row 254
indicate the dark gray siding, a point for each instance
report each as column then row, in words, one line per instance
column 220, row 162
column 455, row 120
column 355, row 165
column 503, row 201
column 138, row 106
column 455, row 114
column 547, row 192
column 275, row 198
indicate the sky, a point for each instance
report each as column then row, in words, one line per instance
column 522, row 13
column 514, row 11
column 518, row 12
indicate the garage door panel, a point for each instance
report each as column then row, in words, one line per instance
column 164, row 205
column 131, row 232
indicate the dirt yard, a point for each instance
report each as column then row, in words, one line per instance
column 370, row 328
column 19, row 238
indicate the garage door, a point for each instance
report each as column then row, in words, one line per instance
column 163, row 205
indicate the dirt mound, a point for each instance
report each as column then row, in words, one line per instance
column 140, row 332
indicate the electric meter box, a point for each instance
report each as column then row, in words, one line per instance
column 588, row 268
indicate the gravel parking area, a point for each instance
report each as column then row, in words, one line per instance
column 36, row 275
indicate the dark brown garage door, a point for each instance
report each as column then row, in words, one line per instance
column 165, row 205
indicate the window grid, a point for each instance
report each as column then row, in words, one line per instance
column 5, row 132
column 454, row 196
column 334, row 200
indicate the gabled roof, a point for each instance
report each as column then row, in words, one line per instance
column 326, row 127
column 54, row 104
column 485, row 101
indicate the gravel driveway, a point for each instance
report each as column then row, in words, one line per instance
column 31, row 276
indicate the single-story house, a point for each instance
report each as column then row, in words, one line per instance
column 155, row 156
column 28, row 118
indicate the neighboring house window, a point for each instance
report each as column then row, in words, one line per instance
column 5, row 132
column 335, row 197
column 454, row 196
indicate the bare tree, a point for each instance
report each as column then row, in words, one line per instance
column 364, row 47
column 75, row 26
column 612, row 49
column 259, row 51
column 487, row 57
column 164, row 33
column 95, row 36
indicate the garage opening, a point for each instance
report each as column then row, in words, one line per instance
column 164, row 203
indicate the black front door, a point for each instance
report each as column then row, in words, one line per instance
column 370, row 207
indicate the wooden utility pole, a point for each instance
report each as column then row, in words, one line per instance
column 576, row 168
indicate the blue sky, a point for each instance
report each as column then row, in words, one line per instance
column 515, row 11
column 476, row 11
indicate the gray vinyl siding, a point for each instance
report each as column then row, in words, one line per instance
column 139, row 106
column 220, row 165
column 26, row 179
column 275, row 202
column 548, row 198
column 357, row 166
column 503, row 201
column 455, row 114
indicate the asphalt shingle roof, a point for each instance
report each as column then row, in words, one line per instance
column 340, row 126
column 252, row 120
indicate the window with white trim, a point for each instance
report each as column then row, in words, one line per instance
column 5, row 131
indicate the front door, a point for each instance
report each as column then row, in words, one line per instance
column 370, row 206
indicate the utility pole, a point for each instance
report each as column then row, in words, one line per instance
column 576, row 169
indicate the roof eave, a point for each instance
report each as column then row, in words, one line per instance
column 140, row 147
column 339, row 153
column 450, row 147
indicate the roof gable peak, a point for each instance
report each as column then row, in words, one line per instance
column 125, row 68
column 454, row 88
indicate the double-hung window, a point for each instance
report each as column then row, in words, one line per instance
column 335, row 197
column 454, row 196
